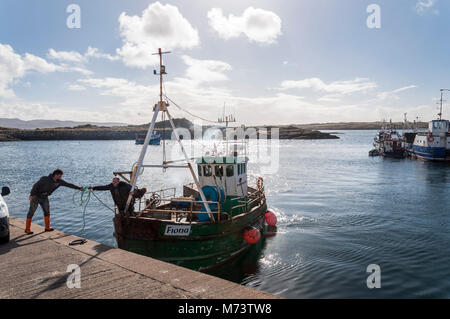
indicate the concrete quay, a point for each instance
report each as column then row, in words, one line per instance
column 36, row 266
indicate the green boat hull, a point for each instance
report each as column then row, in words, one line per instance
column 207, row 245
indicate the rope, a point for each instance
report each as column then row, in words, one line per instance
column 192, row 114
column 85, row 201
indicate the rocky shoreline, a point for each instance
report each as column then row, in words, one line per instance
column 360, row 125
column 92, row 132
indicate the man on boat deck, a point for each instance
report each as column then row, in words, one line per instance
column 120, row 192
column 39, row 196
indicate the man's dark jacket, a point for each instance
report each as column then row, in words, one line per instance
column 120, row 194
column 46, row 185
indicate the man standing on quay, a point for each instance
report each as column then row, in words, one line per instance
column 39, row 196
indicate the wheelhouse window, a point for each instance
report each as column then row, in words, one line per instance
column 199, row 170
column 230, row 170
column 207, row 170
column 219, row 170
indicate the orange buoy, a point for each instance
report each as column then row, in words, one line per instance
column 270, row 217
column 252, row 235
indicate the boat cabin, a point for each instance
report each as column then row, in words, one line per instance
column 436, row 138
column 438, row 127
column 229, row 173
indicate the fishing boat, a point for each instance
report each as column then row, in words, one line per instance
column 389, row 143
column 434, row 145
column 214, row 219
column 155, row 139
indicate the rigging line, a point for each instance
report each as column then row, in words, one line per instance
column 164, row 139
column 179, row 107
column 199, row 117
column 167, row 100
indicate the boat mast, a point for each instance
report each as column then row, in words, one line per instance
column 162, row 106
column 442, row 102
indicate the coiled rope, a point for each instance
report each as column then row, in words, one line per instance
column 85, row 197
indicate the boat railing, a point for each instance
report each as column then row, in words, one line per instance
column 191, row 210
column 239, row 202
column 165, row 192
column 248, row 202
column 156, row 195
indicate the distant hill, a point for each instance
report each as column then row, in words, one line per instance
column 129, row 132
column 34, row 124
column 181, row 122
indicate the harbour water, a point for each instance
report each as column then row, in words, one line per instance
column 338, row 212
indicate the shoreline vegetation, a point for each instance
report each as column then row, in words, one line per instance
column 129, row 132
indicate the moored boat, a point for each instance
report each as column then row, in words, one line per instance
column 217, row 217
column 434, row 145
column 389, row 143
column 155, row 139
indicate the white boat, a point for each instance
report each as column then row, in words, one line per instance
column 434, row 145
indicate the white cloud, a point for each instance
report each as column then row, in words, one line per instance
column 66, row 56
column 425, row 5
column 385, row 95
column 95, row 53
column 76, row 87
column 198, row 73
column 13, row 66
column 36, row 110
column 205, row 70
column 340, row 87
column 132, row 94
column 82, row 70
column 73, row 61
column 195, row 90
column 202, row 93
column 330, row 98
column 258, row 25
column 404, row 88
column 75, row 57
column 15, row 109
column 36, row 63
column 160, row 26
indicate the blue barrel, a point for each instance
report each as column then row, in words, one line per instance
column 212, row 195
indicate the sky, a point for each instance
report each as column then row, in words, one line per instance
column 265, row 61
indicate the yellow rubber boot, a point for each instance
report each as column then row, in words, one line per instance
column 28, row 227
column 47, row 223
